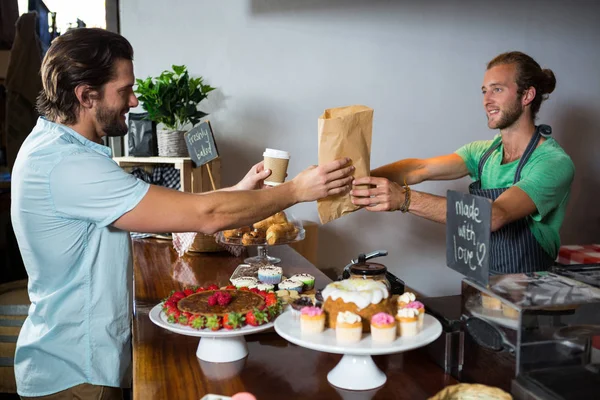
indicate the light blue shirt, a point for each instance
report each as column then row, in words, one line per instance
column 66, row 191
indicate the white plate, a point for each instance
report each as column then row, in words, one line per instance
column 215, row 397
column 160, row 318
column 356, row 370
column 220, row 346
column 288, row 327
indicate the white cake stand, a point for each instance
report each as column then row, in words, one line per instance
column 220, row 346
column 356, row 370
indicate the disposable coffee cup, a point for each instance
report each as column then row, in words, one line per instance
column 277, row 161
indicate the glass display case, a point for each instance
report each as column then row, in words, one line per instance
column 539, row 327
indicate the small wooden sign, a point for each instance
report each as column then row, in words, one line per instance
column 201, row 144
column 468, row 231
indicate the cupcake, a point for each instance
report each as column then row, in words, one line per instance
column 383, row 328
column 270, row 274
column 348, row 327
column 245, row 281
column 289, row 284
column 407, row 319
column 267, row 287
column 300, row 303
column 312, row 320
column 307, row 279
column 418, row 306
column 406, row 298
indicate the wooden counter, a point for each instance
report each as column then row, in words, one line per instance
column 165, row 364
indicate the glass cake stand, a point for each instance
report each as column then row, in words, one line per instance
column 262, row 248
column 356, row 370
column 220, row 346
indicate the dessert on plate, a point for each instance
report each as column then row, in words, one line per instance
column 348, row 328
column 364, row 297
column 383, row 328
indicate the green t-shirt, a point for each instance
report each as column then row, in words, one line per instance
column 546, row 178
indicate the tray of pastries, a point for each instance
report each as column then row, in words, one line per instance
column 274, row 230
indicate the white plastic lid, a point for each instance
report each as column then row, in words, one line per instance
column 276, row 154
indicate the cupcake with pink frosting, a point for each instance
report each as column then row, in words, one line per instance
column 419, row 306
column 383, row 328
column 312, row 320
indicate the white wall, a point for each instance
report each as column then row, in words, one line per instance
column 419, row 64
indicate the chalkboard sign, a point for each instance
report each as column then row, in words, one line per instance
column 468, row 230
column 201, row 144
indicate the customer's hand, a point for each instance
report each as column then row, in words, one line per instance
column 254, row 179
column 317, row 182
column 380, row 194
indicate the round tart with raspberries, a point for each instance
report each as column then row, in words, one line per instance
column 227, row 308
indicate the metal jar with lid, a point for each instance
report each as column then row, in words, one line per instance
column 360, row 268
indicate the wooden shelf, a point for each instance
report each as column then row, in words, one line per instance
column 193, row 180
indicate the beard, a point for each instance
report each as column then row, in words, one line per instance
column 508, row 116
column 110, row 122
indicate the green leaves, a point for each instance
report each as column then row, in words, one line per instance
column 172, row 98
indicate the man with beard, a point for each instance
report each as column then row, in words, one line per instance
column 524, row 172
column 72, row 208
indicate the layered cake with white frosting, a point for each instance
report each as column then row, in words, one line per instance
column 364, row 297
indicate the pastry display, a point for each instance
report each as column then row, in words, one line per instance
column 270, row 274
column 307, row 280
column 217, row 309
column 383, row 328
column 348, row 328
column 407, row 319
column 312, row 320
column 276, row 229
column 364, row 297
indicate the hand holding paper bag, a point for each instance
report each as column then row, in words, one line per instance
column 344, row 132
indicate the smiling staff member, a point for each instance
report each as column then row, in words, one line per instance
column 524, row 172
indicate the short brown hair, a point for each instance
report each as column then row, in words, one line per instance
column 529, row 73
column 80, row 56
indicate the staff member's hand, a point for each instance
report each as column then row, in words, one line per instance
column 384, row 195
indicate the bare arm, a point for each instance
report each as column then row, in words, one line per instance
column 510, row 206
column 166, row 210
column 416, row 170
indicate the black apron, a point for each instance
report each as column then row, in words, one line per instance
column 514, row 249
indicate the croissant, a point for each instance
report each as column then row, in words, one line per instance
column 278, row 218
column 278, row 233
column 236, row 233
column 251, row 238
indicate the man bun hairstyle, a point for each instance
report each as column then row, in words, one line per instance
column 529, row 74
column 81, row 56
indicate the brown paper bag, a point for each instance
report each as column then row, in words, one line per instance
column 344, row 132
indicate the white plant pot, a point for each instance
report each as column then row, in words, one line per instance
column 171, row 143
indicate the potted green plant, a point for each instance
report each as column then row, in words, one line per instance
column 172, row 99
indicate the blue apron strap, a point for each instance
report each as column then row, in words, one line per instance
column 539, row 131
column 486, row 155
